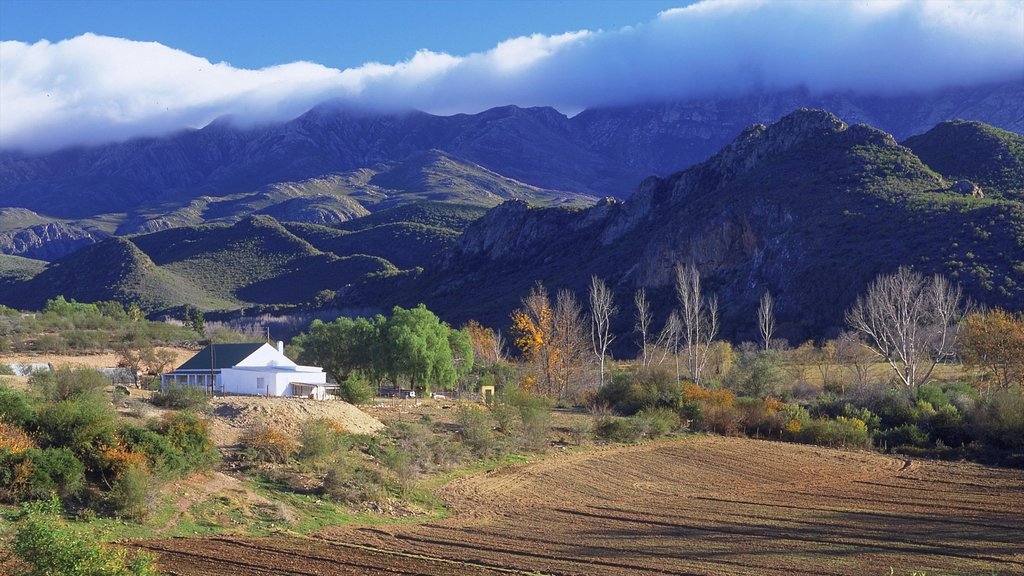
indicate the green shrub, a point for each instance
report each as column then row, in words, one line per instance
column 320, row 438
column 15, row 407
column 50, row 548
column 130, row 494
column 536, row 420
column 162, row 456
column 630, row 391
column 355, row 389
column 757, row 375
column 67, row 383
column 580, row 430
column 656, row 422
column 181, row 398
column 190, row 434
column 616, row 429
column 5, row 368
column 35, row 473
column 841, row 431
column 84, row 425
column 475, row 428
column 905, row 435
column 354, row 482
column 999, row 420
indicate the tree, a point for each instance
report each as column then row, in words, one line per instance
column 825, row 359
column 671, row 337
column 569, row 339
column 699, row 319
column 994, row 341
column 488, row 346
column 642, row 324
column 419, row 349
column 532, row 327
column 856, row 357
column 602, row 308
column 910, row 321
column 766, row 319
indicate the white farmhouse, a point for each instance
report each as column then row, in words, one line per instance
column 254, row 369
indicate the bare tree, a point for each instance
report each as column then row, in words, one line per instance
column 642, row 325
column 856, row 357
column 825, row 359
column 699, row 317
column 569, row 342
column 670, row 339
column 602, row 308
column 909, row 320
column 766, row 319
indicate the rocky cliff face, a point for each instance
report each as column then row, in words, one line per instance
column 809, row 208
column 48, row 241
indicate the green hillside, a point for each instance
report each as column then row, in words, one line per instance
column 439, row 214
column 404, row 244
column 988, row 156
column 114, row 269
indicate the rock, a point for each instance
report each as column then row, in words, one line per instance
column 968, row 188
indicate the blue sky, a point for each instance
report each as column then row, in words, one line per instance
column 88, row 71
column 340, row 34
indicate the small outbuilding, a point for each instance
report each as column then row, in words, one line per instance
column 256, row 369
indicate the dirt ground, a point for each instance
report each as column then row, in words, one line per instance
column 702, row 505
column 232, row 415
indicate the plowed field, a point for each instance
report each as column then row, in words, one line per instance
column 694, row 506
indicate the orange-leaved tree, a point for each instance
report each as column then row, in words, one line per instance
column 994, row 341
column 533, row 329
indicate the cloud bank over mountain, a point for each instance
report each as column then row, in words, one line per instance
column 94, row 89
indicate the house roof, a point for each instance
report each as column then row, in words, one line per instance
column 223, row 356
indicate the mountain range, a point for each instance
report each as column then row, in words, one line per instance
column 337, row 162
column 349, row 208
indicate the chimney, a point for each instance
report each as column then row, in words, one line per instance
column 280, row 346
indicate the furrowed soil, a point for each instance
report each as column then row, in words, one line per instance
column 700, row 505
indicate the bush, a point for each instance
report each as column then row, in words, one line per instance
column 15, row 407
column 190, row 434
column 580, row 430
column 180, row 398
column 418, row 450
column 757, row 375
column 999, row 420
column 35, row 473
column 632, row 391
column 905, row 435
column 68, row 383
column 320, row 438
column 354, row 483
column 264, row 443
column 616, row 429
column 162, row 457
column 842, row 431
column 83, row 424
column 476, row 429
column 355, row 389
column 655, row 422
column 49, row 547
column 711, row 410
column 130, row 494
column 536, row 420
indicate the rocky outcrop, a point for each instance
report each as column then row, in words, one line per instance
column 968, row 188
column 48, row 241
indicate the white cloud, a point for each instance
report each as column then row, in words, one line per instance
column 93, row 89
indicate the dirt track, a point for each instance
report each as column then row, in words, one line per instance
column 697, row 506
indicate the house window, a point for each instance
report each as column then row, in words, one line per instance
column 261, row 383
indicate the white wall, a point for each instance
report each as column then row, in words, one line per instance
column 244, row 381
